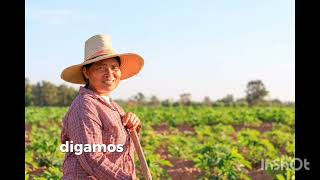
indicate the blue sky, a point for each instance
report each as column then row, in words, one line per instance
column 206, row 48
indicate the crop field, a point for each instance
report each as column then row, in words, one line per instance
column 183, row 142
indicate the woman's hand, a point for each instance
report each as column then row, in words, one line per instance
column 132, row 122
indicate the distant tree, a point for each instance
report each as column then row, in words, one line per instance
column 140, row 98
column 242, row 102
column 121, row 102
column 289, row 103
column 62, row 95
column 154, row 101
column 65, row 95
column 45, row 93
column 263, row 103
column 38, row 94
column 185, row 99
column 255, row 92
column 177, row 103
column 276, row 102
column 219, row 104
column 50, row 93
column 227, row 101
column 28, row 96
column 132, row 103
column 167, row 102
column 196, row 104
column 207, row 101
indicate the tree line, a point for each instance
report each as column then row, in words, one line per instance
column 48, row 94
column 45, row 93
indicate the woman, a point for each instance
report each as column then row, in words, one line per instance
column 94, row 118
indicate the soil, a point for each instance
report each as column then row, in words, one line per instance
column 264, row 127
column 182, row 169
column 259, row 174
column 162, row 129
column 27, row 130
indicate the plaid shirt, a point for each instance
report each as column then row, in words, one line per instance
column 91, row 120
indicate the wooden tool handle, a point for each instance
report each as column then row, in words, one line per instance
column 137, row 145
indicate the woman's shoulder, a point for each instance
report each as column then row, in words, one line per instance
column 82, row 105
column 83, row 101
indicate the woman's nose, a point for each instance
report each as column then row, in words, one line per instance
column 109, row 71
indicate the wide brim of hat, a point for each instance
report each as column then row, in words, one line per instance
column 131, row 64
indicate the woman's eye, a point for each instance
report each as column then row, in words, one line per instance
column 115, row 67
column 100, row 68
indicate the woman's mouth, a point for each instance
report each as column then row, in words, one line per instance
column 109, row 81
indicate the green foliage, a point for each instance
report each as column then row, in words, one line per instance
column 281, row 139
column 181, row 146
column 47, row 94
column 278, row 115
column 44, row 116
column 245, row 117
column 222, row 161
column 215, row 146
column 219, row 133
column 156, row 164
column 43, row 151
column 28, row 96
column 255, row 91
column 226, row 101
column 254, row 148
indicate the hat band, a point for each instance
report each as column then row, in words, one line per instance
column 100, row 53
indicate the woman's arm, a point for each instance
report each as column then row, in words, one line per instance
column 86, row 128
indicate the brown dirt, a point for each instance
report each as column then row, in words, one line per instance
column 259, row 174
column 186, row 128
column 283, row 150
column 182, row 169
column 27, row 130
column 234, row 136
column 162, row 129
column 264, row 127
column 37, row 172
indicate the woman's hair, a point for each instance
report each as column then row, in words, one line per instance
column 87, row 66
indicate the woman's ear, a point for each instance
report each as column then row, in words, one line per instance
column 85, row 72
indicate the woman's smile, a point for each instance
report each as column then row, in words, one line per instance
column 109, row 81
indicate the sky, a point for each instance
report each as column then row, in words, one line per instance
column 206, row 48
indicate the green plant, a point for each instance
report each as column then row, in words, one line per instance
column 254, row 148
column 222, row 161
column 215, row 146
column 280, row 139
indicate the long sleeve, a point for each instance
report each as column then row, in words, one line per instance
column 86, row 128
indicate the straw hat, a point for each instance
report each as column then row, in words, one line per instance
column 99, row 47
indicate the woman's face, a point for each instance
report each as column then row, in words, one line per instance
column 104, row 76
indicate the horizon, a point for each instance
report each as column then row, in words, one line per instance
column 149, row 96
column 205, row 49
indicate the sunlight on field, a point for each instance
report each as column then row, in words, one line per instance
column 181, row 142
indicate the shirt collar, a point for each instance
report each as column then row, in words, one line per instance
column 107, row 98
column 93, row 94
